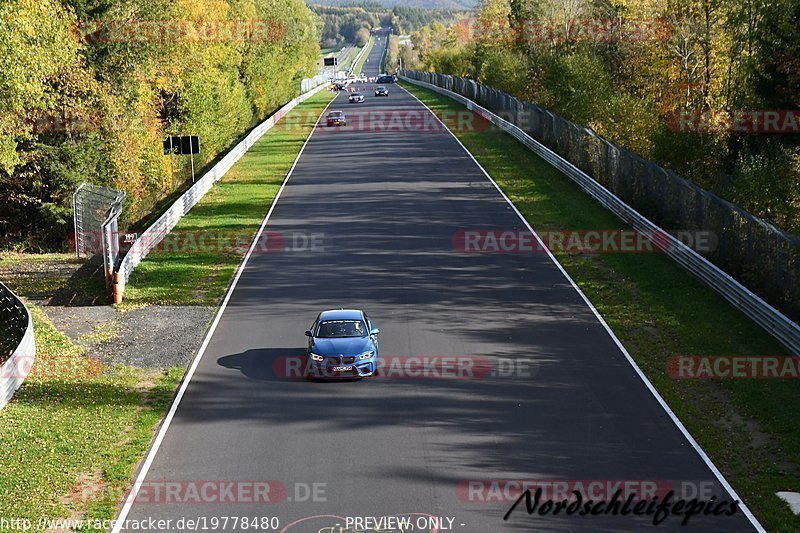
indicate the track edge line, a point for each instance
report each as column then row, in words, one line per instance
column 164, row 427
column 694, row 444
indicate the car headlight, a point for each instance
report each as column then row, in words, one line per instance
column 366, row 355
column 316, row 357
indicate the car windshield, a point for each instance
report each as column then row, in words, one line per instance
column 356, row 94
column 381, row 88
column 341, row 328
column 336, row 114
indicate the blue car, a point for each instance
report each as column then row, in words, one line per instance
column 342, row 344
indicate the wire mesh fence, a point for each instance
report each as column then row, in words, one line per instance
column 91, row 205
column 754, row 251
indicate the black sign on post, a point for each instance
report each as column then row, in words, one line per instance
column 182, row 145
column 329, row 61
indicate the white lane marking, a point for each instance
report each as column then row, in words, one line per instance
column 123, row 514
column 724, row 482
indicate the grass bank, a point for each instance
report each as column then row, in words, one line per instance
column 747, row 426
column 73, row 433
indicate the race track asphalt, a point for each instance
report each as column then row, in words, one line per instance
column 550, row 395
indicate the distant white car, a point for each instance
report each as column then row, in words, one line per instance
column 356, row 98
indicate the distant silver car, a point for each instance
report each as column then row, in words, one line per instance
column 381, row 91
column 356, row 98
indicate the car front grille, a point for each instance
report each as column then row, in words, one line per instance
column 338, row 360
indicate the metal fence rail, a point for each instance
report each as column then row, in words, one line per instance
column 110, row 242
column 153, row 235
column 769, row 318
column 18, row 344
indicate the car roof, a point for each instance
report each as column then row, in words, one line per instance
column 341, row 314
column 336, row 113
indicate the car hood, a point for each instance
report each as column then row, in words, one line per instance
column 342, row 346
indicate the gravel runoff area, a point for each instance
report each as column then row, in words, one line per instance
column 148, row 337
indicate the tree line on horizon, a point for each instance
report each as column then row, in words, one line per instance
column 351, row 23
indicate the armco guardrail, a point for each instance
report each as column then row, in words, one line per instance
column 754, row 251
column 769, row 318
column 161, row 227
column 16, row 325
column 360, row 53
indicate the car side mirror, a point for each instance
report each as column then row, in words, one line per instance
column 308, row 333
column 374, row 331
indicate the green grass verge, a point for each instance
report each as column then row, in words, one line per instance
column 182, row 275
column 360, row 63
column 748, row 427
column 73, row 433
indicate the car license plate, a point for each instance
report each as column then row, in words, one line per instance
column 342, row 368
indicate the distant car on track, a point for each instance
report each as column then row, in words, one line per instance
column 336, row 118
column 342, row 344
column 385, row 78
column 381, row 91
column 356, row 98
